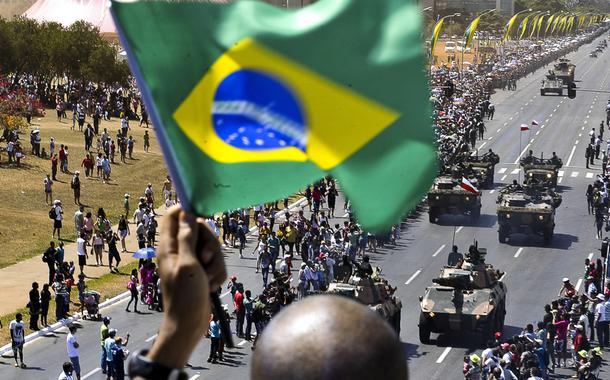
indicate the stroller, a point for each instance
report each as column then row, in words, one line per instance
column 91, row 303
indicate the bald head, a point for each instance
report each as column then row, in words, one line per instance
column 328, row 337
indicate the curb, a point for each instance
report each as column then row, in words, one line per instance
column 65, row 322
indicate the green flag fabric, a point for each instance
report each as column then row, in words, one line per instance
column 252, row 102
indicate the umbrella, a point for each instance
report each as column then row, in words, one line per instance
column 145, row 253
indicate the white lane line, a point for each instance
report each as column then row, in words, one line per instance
column 482, row 145
column 505, row 124
column 223, row 295
column 537, row 133
column 151, row 338
column 571, row 155
column 438, row 250
column 542, row 126
column 499, row 129
column 560, row 173
column 590, row 256
column 413, row 277
column 589, row 175
column 578, row 283
column 242, row 343
column 518, row 252
column 560, row 180
column 515, row 171
column 502, row 171
column 459, row 229
column 532, row 140
column 503, row 178
column 492, row 191
column 521, row 154
column 574, row 174
column 194, row 377
column 443, row 355
column 91, row 373
column 551, row 115
column 510, row 118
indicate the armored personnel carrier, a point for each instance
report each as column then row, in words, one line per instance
column 482, row 167
column 539, row 171
column 467, row 297
column 529, row 210
column 375, row 292
column 447, row 197
column 551, row 85
column 564, row 71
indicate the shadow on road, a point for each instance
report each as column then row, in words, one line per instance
column 559, row 241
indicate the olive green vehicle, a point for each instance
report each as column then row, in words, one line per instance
column 482, row 167
column 469, row 297
column 538, row 171
column 564, row 71
column 551, row 85
column 527, row 210
column 447, row 197
column 375, row 292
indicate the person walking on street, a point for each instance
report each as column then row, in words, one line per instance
column 17, row 331
column 132, row 286
column 48, row 189
column 238, row 303
column 214, row 339
column 72, row 348
column 589, row 195
column 248, row 308
column 601, row 322
column 34, row 306
column 110, row 347
column 103, row 335
column 118, row 357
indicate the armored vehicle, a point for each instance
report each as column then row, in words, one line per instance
column 564, row 71
column 529, row 210
column 551, row 85
column 482, row 167
column 447, row 197
column 469, row 296
column 539, row 171
column 375, row 292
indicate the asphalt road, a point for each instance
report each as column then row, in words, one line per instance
column 534, row 271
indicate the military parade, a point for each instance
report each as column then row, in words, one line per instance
column 426, row 197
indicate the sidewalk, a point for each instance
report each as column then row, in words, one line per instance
column 16, row 280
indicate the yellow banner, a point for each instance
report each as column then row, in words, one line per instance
column 435, row 34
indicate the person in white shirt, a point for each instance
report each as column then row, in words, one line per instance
column 72, row 348
column 17, row 329
column 66, row 373
column 58, row 218
column 81, row 251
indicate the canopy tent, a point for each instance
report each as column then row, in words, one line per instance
column 66, row 12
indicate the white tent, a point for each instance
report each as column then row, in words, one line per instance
column 66, row 12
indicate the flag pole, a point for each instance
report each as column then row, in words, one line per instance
column 453, row 241
column 519, row 175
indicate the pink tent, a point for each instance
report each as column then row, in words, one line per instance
column 66, row 12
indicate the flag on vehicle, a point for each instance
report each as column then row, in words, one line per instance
column 534, row 123
column 252, row 102
column 468, row 186
column 524, row 127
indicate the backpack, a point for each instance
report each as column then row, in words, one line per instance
column 52, row 213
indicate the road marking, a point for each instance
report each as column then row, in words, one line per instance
column 223, row 295
column 560, row 173
column 542, row 127
column 499, row 129
column 438, row 250
column 571, row 155
column 502, row 171
column 194, row 377
column 482, row 145
column 589, row 175
column 518, row 252
column 578, row 283
column 560, row 180
column 588, row 116
column 459, row 229
column 574, row 174
column 151, row 338
column 242, row 343
column 580, row 135
column 532, row 140
column 443, row 355
column 510, row 118
column 576, row 143
column 505, row 124
column 503, row 178
column 537, row 133
column 521, row 154
column 551, row 115
column 492, row 191
column 413, row 277
column 91, row 373
column 515, row 171
column 589, row 111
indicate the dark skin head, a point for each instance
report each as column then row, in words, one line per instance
column 349, row 351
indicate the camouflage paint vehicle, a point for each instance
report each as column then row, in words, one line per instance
column 482, row 167
column 375, row 292
column 526, row 210
column 447, row 197
column 539, row 171
column 469, row 297
column 564, row 71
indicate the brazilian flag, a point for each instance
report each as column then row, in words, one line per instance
column 252, row 102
